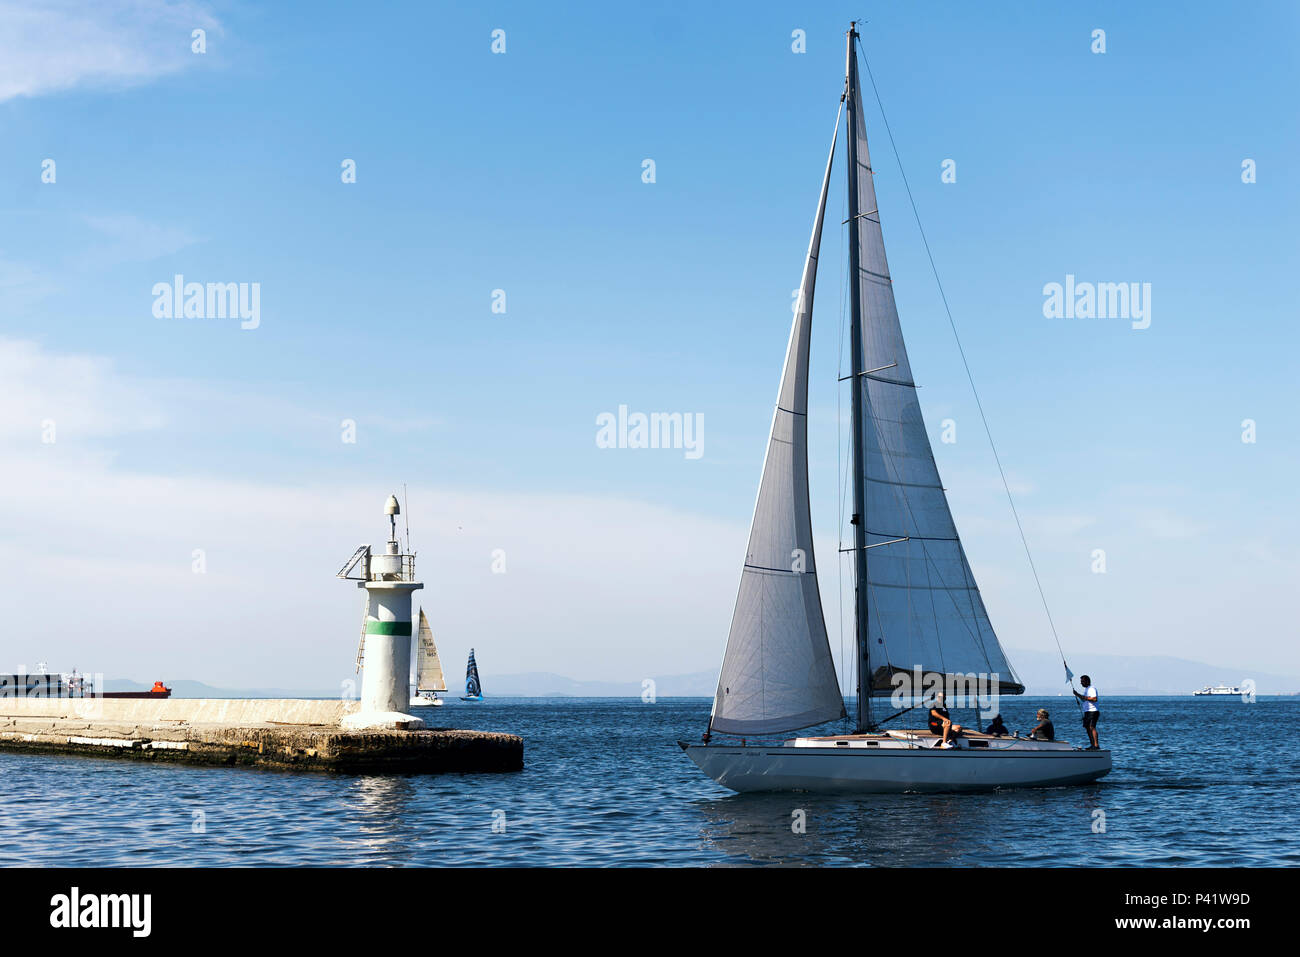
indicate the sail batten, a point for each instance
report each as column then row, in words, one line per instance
column 777, row 674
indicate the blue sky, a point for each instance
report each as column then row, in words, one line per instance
column 522, row 172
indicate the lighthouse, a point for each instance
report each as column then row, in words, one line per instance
column 385, row 653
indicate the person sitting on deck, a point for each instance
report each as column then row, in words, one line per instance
column 940, row 723
column 996, row 727
column 1043, row 731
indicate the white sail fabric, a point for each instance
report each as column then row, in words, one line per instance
column 924, row 608
column 777, row 674
column 428, row 671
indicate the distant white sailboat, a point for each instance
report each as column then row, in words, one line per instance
column 429, row 679
column 917, row 605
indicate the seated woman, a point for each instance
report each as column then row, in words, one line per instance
column 1043, row 731
column 940, row 723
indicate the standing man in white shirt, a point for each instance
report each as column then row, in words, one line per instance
column 1090, row 712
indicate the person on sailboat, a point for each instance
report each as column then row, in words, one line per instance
column 1090, row 712
column 940, row 723
column 996, row 727
column 1044, row 730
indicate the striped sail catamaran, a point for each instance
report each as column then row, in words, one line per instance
column 917, row 608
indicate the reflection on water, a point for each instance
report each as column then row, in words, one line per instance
column 379, row 806
column 762, row 829
column 889, row 830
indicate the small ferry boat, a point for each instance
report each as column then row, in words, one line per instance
column 1219, row 689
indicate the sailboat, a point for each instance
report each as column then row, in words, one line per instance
column 917, row 608
column 428, row 669
column 473, row 689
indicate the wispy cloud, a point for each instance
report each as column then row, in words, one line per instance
column 92, row 403
column 83, row 396
column 21, row 284
column 1166, row 523
column 47, row 46
column 1062, row 523
column 15, row 274
column 126, row 238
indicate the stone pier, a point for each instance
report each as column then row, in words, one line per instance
column 290, row 734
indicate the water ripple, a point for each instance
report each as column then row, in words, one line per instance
column 1196, row 782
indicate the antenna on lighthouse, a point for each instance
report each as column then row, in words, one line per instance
column 392, row 510
column 406, row 507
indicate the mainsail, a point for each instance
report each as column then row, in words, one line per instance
column 472, row 687
column 923, row 607
column 777, row 674
column 428, row 669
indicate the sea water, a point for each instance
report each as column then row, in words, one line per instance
column 1196, row 781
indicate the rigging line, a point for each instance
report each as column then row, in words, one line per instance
column 897, row 714
column 966, row 365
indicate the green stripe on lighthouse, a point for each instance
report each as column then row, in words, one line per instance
column 388, row 628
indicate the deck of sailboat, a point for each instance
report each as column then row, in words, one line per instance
column 924, row 734
column 923, row 738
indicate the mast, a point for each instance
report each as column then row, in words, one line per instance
column 859, row 521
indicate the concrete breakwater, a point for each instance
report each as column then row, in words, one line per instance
column 290, row 734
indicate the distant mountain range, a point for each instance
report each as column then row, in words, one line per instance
column 182, row 688
column 1040, row 671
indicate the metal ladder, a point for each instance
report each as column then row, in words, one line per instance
column 361, row 646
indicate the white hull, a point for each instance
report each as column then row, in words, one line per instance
column 421, row 702
column 892, row 769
